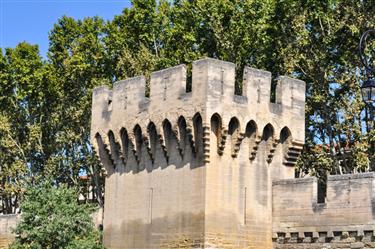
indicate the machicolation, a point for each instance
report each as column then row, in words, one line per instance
column 195, row 168
column 207, row 168
column 195, row 165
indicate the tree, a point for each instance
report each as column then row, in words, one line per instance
column 325, row 56
column 49, row 101
column 23, row 88
column 52, row 218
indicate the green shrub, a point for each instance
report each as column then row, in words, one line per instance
column 51, row 218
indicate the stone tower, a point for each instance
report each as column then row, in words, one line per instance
column 194, row 169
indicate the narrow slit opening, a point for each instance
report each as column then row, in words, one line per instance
column 189, row 78
column 239, row 79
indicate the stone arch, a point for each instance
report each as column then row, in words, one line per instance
column 153, row 139
column 285, row 135
column 216, row 129
column 198, row 134
column 167, row 130
column 103, row 154
column 268, row 139
column 251, row 131
column 268, row 133
column 124, row 144
column 114, row 148
column 182, row 132
column 290, row 151
column 234, row 135
column 138, row 139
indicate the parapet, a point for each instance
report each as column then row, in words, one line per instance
column 125, row 106
column 211, row 79
column 348, row 209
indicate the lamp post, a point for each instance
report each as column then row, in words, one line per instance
column 368, row 88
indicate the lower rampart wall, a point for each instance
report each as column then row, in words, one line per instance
column 346, row 219
column 7, row 223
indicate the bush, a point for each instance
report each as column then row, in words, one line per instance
column 52, row 218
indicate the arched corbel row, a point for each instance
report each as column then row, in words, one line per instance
column 291, row 148
column 271, row 142
column 167, row 136
column 198, row 134
column 182, row 135
column 146, row 143
column 274, row 144
column 234, row 130
column 114, row 149
column 190, row 136
column 152, row 140
column 104, row 154
column 237, row 144
column 223, row 138
column 285, row 141
column 124, row 139
column 216, row 128
column 160, row 138
column 294, row 151
column 177, row 136
column 137, row 141
column 206, row 143
column 251, row 132
column 255, row 148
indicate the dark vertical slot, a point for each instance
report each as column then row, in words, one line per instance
column 198, row 134
column 322, row 190
column 183, row 134
column 238, row 83
column 138, row 142
column 124, row 144
column 233, row 131
column 216, row 128
column 148, row 85
column 273, row 89
column 152, row 140
column 189, row 78
column 114, row 149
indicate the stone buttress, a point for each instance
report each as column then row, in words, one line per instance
column 195, row 169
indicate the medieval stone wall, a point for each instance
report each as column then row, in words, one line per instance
column 7, row 223
column 193, row 169
column 346, row 219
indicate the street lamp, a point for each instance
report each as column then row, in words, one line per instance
column 368, row 86
column 368, row 92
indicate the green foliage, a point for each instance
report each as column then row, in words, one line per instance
column 48, row 101
column 52, row 218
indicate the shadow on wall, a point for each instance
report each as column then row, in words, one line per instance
column 187, row 143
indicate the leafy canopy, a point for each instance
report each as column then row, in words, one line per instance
column 45, row 104
column 52, row 218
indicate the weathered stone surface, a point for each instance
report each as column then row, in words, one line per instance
column 7, row 223
column 346, row 219
column 195, row 166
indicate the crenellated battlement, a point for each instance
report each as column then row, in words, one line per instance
column 213, row 81
column 181, row 163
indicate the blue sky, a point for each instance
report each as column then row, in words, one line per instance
column 31, row 20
